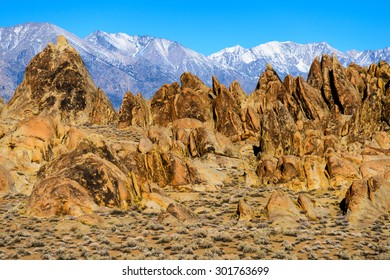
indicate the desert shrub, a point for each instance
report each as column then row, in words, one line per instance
column 164, row 239
column 205, row 243
column 200, row 233
column 261, row 237
column 246, row 247
column 222, row 236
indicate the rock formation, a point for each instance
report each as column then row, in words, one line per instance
column 7, row 184
column 91, row 176
column 285, row 143
column 318, row 122
column 134, row 111
column 244, row 211
column 281, row 209
column 57, row 83
column 366, row 200
column 190, row 100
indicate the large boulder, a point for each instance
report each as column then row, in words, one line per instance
column 366, row 200
column 90, row 173
column 282, row 210
column 244, row 211
column 134, row 111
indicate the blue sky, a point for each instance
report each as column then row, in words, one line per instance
column 209, row 26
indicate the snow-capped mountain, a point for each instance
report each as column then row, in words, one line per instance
column 120, row 62
column 289, row 57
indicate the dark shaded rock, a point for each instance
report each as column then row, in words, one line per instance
column 191, row 100
column 56, row 82
column 227, row 111
column 91, row 173
column 134, row 111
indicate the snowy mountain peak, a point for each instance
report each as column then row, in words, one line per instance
column 119, row 62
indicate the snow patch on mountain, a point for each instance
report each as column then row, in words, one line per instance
column 119, row 62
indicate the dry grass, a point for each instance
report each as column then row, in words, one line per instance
column 134, row 234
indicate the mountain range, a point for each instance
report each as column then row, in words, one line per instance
column 119, row 62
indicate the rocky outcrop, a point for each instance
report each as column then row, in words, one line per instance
column 182, row 213
column 190, row 100
column 244, row 211
column 311, row 133
column 7, row 183
column 88, row 176
column 60, row 196
column 227, row 110
column 134, row 111
column 281, row 209
column 57, row 83
column 366, row 200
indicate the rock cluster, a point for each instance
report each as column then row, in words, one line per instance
column 313, row 134
column 226, row 111
column 328, row 133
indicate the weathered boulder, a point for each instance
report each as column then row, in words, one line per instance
column 190, row 100
column 162, row 168
column 91, row 173
column 145, row 145
column 244, row 211
column 33, row 141
column 162, row 137
column 134, row 111
column 281, row 209
column 316, row 176
column 366, row 200
column 57, row 83
column 59, row 196
column 182, row 213
column 383, row 140
column 341, row 171
column 7, row 183
column 310, row 207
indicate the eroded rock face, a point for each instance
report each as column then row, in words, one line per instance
column 134, row 111
column 227, row 109
column 7, row 183
column 322, row 123
column 244, row 211
column 59, row 196
column 367, row 199
column 190, row 100
column 57, row 83
column 281, row 209
column 91, row 173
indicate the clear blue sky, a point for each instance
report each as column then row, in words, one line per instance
column 209, row 26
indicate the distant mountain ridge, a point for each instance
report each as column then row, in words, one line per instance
column 120, row 62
